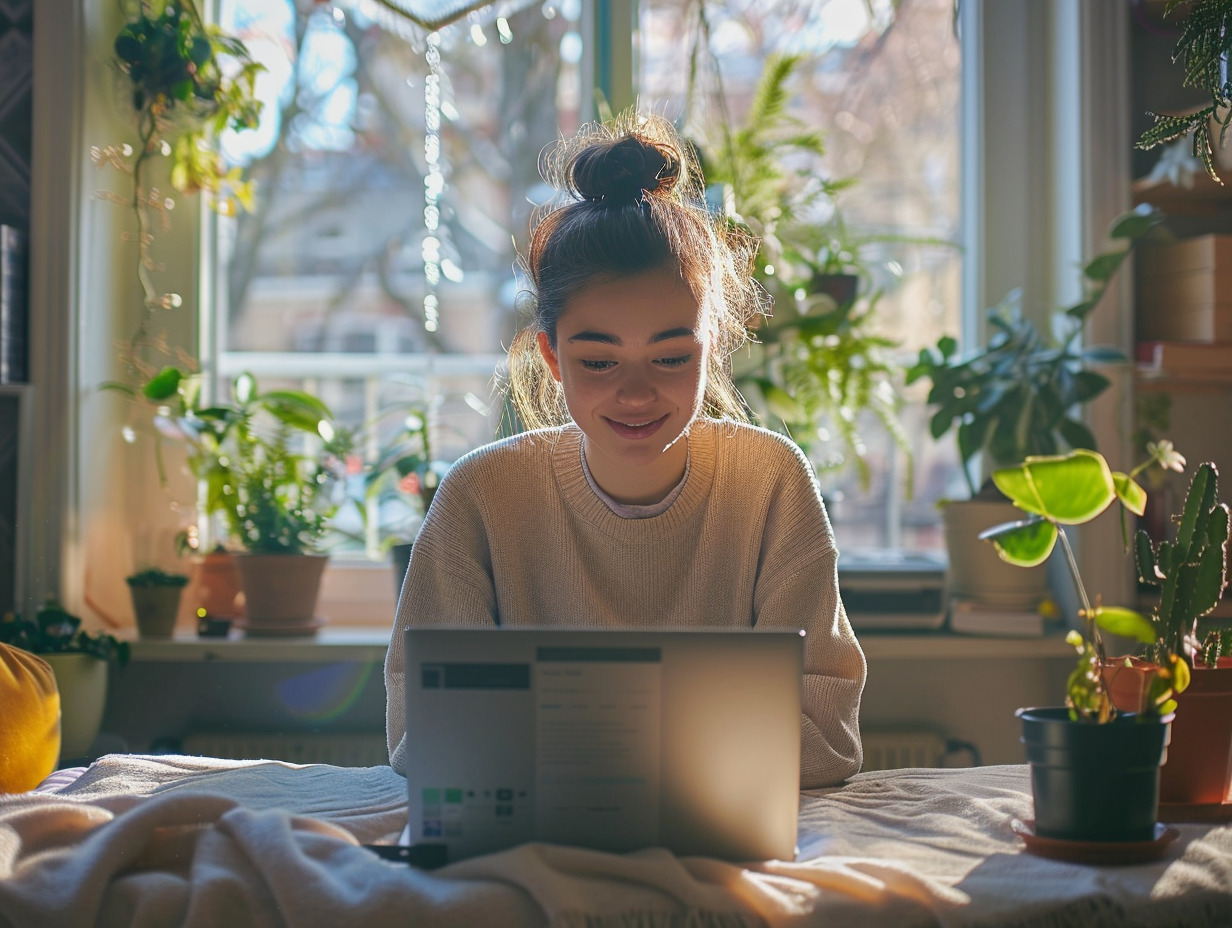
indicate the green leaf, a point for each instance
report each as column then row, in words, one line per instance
column 1135, row 224
column 1070, row 489
column 164, row 384
column 1076, row 434
column 1024, row 544
column 1102, row 267
column 780, row 402
column 1117, row 620
column 1130, row 493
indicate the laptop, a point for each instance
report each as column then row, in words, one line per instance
column 607, row 739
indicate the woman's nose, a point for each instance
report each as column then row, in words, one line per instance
column 635, row 389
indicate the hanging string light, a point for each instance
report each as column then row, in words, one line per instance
column 434, row 183
column 423, row 22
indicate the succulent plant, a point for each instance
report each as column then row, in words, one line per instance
column 1190, row 572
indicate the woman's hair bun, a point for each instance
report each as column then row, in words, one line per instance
column 619, row 171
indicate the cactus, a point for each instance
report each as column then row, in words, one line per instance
column 1191, row 572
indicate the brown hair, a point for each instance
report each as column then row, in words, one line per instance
column 630, row 199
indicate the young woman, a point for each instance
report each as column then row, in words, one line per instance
column 641, row 495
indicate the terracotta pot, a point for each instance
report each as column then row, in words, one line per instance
column 82, row 682
column 1198, row 769
column 221, row 586
column 280, row 591
column 1127, row 685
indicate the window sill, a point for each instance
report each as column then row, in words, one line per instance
column 369, row 644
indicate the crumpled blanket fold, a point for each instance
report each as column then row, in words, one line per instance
column 161, row 841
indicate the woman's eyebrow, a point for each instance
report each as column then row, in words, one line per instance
column 606, row 338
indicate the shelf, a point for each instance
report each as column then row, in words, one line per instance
column 369, row 644
column 1205, row 198
column 1151, row 379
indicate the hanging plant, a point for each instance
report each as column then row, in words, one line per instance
column 187, row 82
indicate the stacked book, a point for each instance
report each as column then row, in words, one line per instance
column 968, row 617
column 13, row 305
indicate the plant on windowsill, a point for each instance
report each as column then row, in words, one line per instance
column 404, row 476
column 156, row 600
column 817, row 364
column 271, row 465
column 1013, row 398
column 79, row 659
column 1094, row 769
column 1204, row 47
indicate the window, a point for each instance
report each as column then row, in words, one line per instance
column 327, row 283
column 377, row 268
column 881, row 81
column 396, row 177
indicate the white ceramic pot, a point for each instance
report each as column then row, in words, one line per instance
column 976, row 573
column 82, row 681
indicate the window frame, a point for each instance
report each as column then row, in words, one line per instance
column 85, row 490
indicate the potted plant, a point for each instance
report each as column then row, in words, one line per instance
column 1203, row 48
column 270, row 465
column 816, row 364
column 404, row 474
column 79, row 659
column 1013, row 398
column 156, row 600
column 187, row 82
column 1190, row 575
column 1094, row 769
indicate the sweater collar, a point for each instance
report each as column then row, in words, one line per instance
column 571, row 480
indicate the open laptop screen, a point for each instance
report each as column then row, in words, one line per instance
column 611, row 739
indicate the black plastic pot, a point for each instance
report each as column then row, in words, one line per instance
column 1094, row 782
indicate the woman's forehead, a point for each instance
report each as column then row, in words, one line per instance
column 637, row 306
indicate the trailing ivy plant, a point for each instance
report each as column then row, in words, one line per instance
column 1204, row 47
column 56, row 631
column 187, row 82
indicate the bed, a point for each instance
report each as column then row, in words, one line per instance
column 143, row 840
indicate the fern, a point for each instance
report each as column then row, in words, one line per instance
column 1203, row 47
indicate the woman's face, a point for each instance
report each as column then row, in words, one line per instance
column 631, row 358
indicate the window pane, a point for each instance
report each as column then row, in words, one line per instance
column 377, row 267
column 881, row 81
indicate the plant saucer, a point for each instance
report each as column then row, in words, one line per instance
column 1096, row 852
column 283, row 630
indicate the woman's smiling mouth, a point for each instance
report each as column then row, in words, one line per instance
column 640, row 429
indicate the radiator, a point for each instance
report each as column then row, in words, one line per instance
column 340, row 750
column 907, row 747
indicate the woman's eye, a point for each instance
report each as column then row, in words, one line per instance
column 677, row 361
column 597, row 365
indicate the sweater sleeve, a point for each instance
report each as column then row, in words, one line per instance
column 798, row 588
column 448, row 583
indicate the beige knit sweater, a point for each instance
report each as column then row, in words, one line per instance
column 516, row 536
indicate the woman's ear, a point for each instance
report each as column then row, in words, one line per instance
column 545, row 349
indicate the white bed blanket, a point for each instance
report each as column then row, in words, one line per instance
column 161, row 841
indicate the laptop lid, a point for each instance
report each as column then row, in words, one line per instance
column 608, row 739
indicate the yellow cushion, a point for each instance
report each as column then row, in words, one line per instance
column 29, row 720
